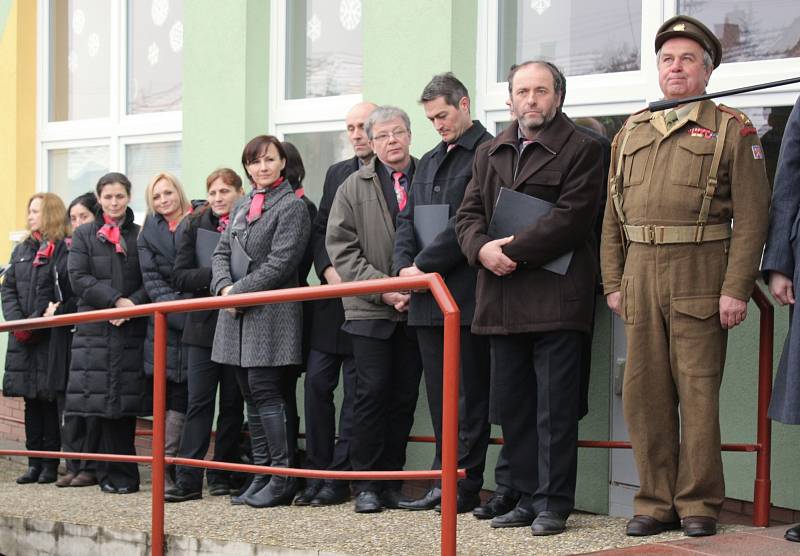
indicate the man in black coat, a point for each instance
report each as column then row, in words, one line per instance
column 331, row 348
column 426, row 242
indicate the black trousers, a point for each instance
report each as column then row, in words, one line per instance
column 41, row 429
column 269, row 386
column 536, row 381
column 322, row 378
column 79, row 434
column 473, row 399
column 387, row 386
column 204, row 376
column 177, row 396
column 117, row 437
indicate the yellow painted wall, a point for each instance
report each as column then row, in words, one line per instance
column 17, row 118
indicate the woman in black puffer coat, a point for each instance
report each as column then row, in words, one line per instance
column 106, row 378
column 167, row 204
column 27, row 291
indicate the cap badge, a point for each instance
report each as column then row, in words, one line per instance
column 679, row 27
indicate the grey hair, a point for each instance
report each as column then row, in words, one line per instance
column 383, row 114
column 708, row 62
column 447, row 86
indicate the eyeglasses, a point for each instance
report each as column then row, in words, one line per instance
column 395, row 134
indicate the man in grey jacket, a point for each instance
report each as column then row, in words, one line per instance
column 360, row 243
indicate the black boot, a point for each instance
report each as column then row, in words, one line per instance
column 258, row 445
column 49, row 472
column 31, row 475
column 280, row 490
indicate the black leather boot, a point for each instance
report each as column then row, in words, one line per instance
column 31, row 475
column 49, row 472
column 280, row 490
column 258, row 445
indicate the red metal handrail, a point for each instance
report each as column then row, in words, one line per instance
column 449, row 473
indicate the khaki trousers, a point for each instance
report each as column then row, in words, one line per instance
column 676, row 353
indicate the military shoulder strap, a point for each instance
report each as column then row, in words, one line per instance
column 711, row 181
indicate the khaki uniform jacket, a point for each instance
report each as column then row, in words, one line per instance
column 664, row 179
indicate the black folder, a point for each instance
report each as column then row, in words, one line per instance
column 204, row 246
column 429, row 222
column 515, row 211
column 240, row 260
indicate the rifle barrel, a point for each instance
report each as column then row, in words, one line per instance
column 667, row 104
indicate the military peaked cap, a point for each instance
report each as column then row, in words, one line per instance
column 689, row 27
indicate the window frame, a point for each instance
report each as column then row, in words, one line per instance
column 115, row 131
column 625, row 92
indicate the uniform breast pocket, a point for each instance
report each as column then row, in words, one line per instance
column 636, row 157
column 692, row 161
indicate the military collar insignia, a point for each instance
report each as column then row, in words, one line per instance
column 702, row 132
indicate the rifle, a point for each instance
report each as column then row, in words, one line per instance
column 658, row 105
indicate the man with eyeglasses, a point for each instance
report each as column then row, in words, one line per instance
column 439, row 183
column 360, row 241
column 536, row 319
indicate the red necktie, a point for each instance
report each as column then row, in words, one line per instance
column 399, row 190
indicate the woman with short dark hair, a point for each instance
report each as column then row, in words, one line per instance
column 106, row 378
column 261, row 250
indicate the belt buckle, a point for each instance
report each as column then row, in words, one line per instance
column 650, row 234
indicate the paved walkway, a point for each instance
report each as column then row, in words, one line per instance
column 338, row 530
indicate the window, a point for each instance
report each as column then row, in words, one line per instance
column 315, row 78
column 110, row 92
column 606, row 50
column 750, row 30
column 579, row 37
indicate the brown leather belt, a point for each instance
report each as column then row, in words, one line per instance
column 660, row 235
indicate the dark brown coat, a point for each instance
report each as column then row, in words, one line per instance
column 563, row 166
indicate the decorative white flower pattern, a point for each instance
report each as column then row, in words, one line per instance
column 540, row 6
column 93, row 44
column 159, row 10
column 72, row 61
column 314, row 28
column 78, row 21
column 176, row 36
column 152, row 54
column 350, row 13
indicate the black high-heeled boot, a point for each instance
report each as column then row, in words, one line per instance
column 258, row 445
column 280, row 490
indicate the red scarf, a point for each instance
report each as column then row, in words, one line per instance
column 109, row 232
column 45, row 251
column 257, row 201
column 224, row 220
column 299, row 192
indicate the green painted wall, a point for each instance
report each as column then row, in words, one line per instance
column 225, row 84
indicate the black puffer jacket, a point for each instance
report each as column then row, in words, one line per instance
column 60, row 338
column 156, row 258
column 25, row 295
column 193, row 279
column 106, row 378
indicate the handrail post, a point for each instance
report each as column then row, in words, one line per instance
column 159, row 408
column 450, row 385
column 763, row 483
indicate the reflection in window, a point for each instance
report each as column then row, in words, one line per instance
column 770, row 123
column 319, row 150
column 748, row 29
column 579, row 37
column 79, row 59
column 323, row 48
column 155, row 54
column 146, row 160
column 72, row 172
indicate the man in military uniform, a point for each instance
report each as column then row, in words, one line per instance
column 679, row 275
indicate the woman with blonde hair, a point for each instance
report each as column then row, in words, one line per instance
column 27, row 290
column 167, row 204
